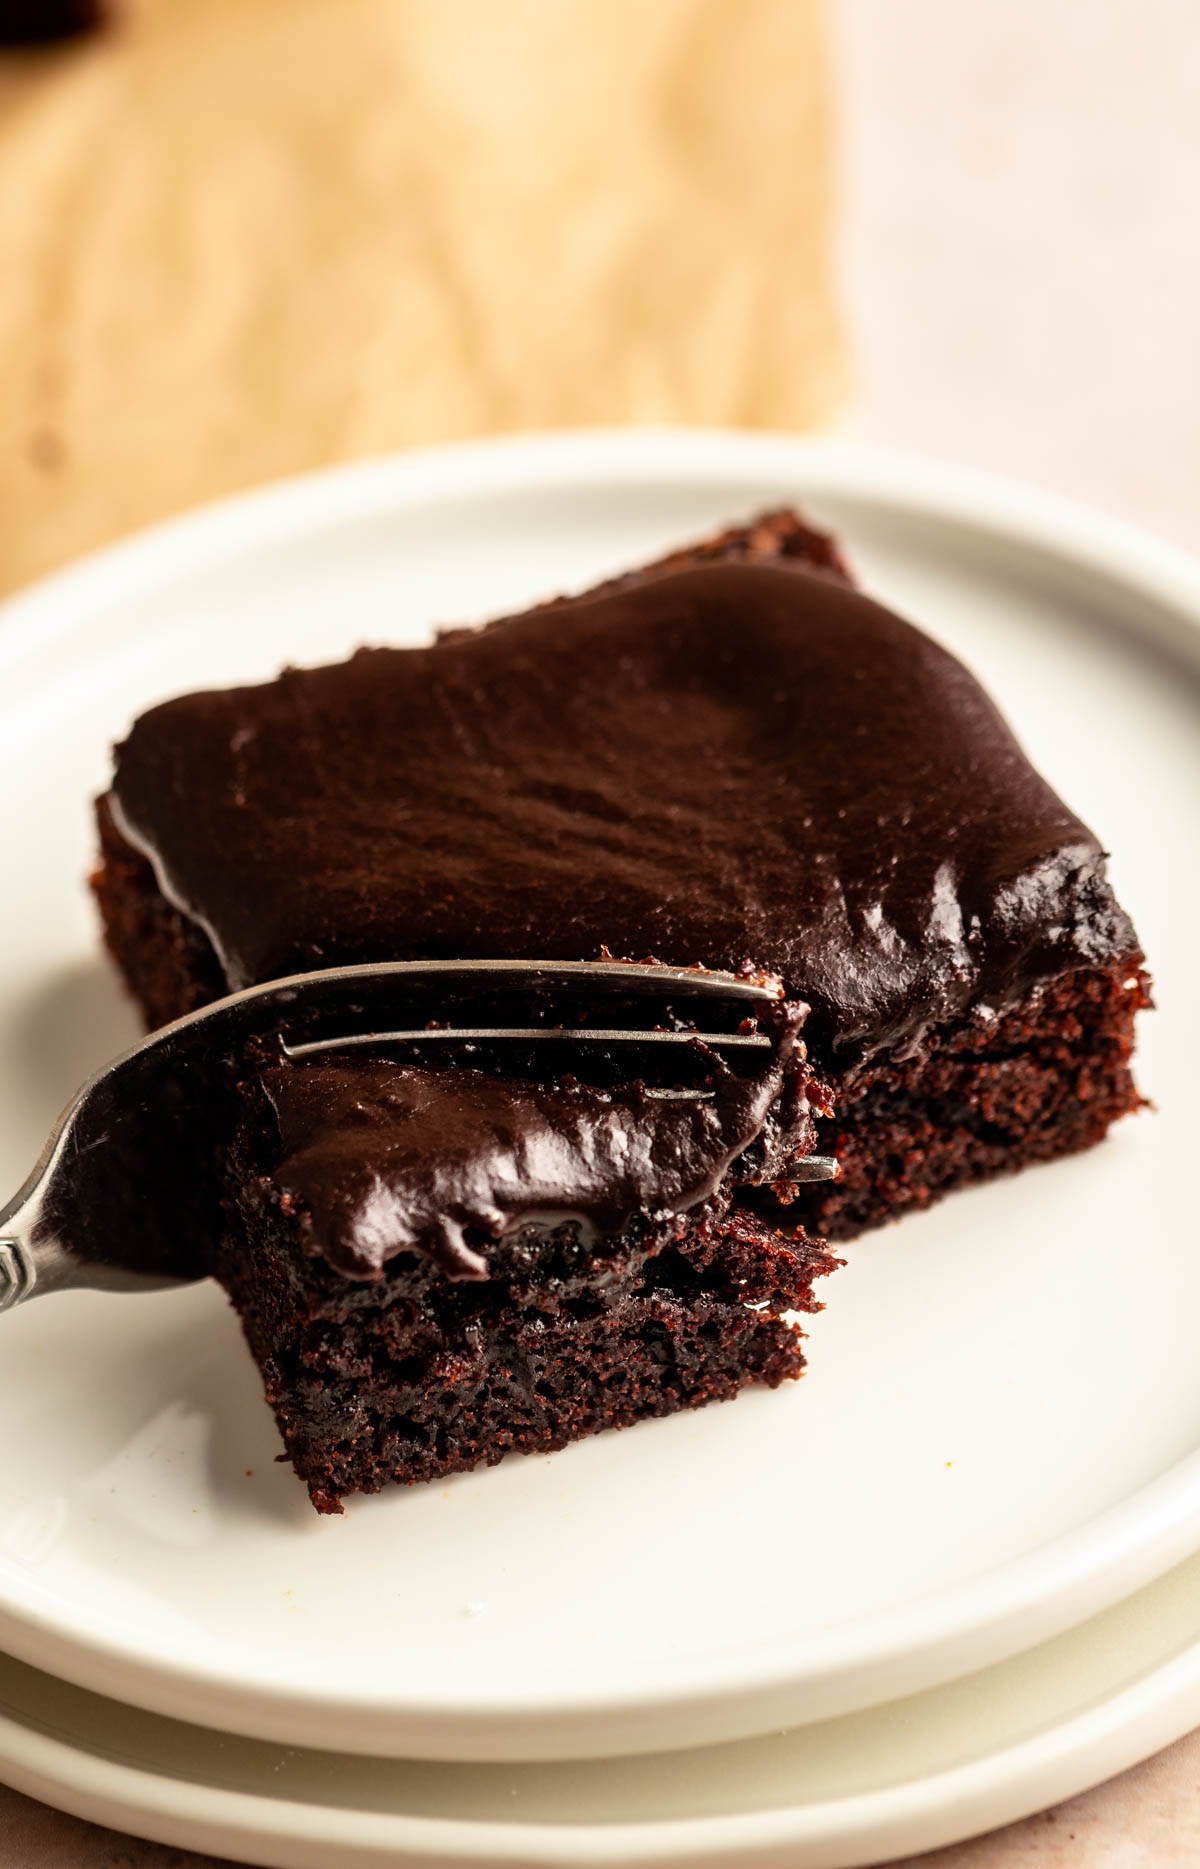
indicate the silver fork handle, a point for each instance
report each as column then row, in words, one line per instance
column 18, row 1272
column 30, row 1265
column 24, row 1266
column 34, row 1261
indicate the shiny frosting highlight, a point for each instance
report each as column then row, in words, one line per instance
column 389, row 1157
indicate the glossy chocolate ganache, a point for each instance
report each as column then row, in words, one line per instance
column 716, row 763
column 389, row 1157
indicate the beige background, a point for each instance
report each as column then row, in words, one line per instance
column 1021, row 240
column 240, row 238
column 1018, row 255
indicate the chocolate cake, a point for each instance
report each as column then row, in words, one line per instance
column 437, row 1264
column 730, row 757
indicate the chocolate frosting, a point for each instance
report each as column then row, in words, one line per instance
column 388, row 1157
column 717, row 763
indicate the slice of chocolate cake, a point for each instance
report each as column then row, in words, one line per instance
column 436, row 1263
column 731, row 754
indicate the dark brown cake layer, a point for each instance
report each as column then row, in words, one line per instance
column 985, row 1097
column 410, row 1377
column 165, row 960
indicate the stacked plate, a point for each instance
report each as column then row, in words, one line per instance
column 949, row 1576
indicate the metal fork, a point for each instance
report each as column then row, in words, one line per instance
column 103, row 1207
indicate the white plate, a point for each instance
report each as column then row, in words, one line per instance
column 912, row 1775
column 998, row 1435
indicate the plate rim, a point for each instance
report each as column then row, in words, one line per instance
column 901, row 1649
column 996, row 1785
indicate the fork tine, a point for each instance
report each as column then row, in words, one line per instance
column 571, row 1036
column 495, row 988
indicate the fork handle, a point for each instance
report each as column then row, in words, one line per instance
column 18, row 1272
column 35, row 1259
column 32, row 1259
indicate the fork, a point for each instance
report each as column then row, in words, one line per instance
column 102, row 1208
